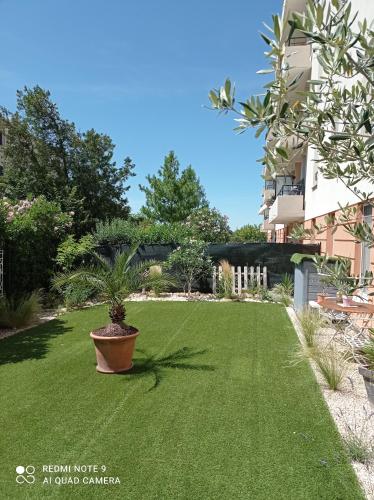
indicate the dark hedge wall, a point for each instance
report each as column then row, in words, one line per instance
column 276, row 256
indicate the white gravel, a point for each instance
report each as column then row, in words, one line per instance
column 349, row 407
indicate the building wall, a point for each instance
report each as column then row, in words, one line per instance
column 335, row 240
column 324, row 197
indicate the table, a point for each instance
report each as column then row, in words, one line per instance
column 356, row 318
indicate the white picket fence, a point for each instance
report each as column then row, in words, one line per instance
column 243, row 278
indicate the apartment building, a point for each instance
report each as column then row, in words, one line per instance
column 302, row 194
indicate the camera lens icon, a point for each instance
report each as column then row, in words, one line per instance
column 25, row 474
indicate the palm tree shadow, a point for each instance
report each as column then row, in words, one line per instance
column 33, row 343
column 157, row 366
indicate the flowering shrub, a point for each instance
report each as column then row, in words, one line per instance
column 32, row 233
column 190, row 262
column 208, row 224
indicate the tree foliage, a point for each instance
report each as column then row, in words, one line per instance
column 32, row 232
column 46, row 155
column 208, row 224
column 335, row 116
column 172, row 195
column 250, row 233
column 190, row 262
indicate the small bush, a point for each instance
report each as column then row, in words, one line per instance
column 264, row 293
column 190, row 263
column 358, row 449
column 355, row 438
column 21, row 312
column 331, row 365
column 285, row 287
column 311, row 321
column 225, row 281
column 282, row 292
column 368, row 354
column 77, row 295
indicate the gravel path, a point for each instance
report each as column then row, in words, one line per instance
column 349, row 407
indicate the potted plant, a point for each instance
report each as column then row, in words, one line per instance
column 339, row 277
column 113, row 283
column 321, row 262
column 367, row 368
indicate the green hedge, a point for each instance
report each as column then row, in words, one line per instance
column 120, row 231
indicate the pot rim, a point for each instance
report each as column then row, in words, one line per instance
column 114, row 338
column 363, row 370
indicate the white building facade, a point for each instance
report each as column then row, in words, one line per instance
column 304, row 195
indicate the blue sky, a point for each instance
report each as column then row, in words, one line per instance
column 140, row 71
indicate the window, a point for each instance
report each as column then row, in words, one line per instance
column 1, row 139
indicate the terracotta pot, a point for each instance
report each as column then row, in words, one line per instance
column 320, row 298
column 114, row 354
column 368, row 376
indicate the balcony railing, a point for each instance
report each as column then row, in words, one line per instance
column 269, row 184
column 291, row 190
column 297, row 40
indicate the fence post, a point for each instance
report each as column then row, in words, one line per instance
column 258, row 272
column 239, row 280
column 265, row 277
column 245, row 280
column 214, row 280
column 252, row 277
column 233, row 279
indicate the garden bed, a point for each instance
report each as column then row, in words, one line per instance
column 349, row 407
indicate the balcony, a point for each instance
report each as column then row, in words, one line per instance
column 267, row 226
column 269, row 190
column 298, row 53
column 288, row 205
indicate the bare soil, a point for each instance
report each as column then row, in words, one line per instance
column 115, row 330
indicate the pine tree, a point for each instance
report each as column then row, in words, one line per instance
column 171, row 195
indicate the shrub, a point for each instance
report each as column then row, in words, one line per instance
column 190, row 262
column 368, row 354
column 225, row 280
column 33, row 232
column 250, row 233
column 356, row 437
column 120, row 231
column 208, row 224
column 21, row 312
column 331, row 365
column 71, row 252
column 311, row 321
column 282, row 292
column 285, row 286
column 264, row 293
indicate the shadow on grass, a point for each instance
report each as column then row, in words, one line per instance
column 157, row 366
column 32, row 343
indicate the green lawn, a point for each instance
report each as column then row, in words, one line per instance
column 212, row 411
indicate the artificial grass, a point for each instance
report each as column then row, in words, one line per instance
column 211, row 411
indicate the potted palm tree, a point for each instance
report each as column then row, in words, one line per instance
column 113, row 283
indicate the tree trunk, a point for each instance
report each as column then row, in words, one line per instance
column 117, row 313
